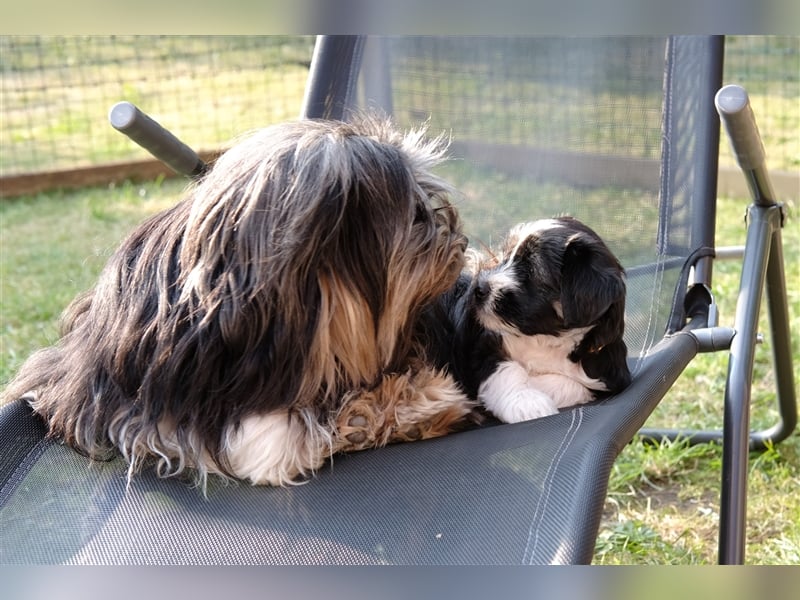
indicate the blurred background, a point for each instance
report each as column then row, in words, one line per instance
column 57, row 91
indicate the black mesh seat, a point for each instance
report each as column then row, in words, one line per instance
column 525, row 493
column 621, row 133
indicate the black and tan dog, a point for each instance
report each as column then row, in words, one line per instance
column 269, row 319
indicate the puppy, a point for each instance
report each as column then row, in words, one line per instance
column 269, row 319
column 537, row 329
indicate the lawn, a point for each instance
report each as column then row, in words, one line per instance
column 57, row 91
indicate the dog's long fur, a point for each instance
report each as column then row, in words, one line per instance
column 269, row 319
column 537, row 327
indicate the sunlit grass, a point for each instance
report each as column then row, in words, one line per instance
column 207, row 90
column 52, row 246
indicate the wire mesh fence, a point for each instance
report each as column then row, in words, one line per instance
column 769, row 68
column 597, row 95
column 57, row 90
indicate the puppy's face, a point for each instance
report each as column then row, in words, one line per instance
column 552, row 276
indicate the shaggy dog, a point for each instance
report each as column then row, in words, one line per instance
column 538, row 327
column 270, row 318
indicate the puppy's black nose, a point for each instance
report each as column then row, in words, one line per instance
column 481, row 291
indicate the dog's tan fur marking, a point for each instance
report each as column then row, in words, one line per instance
column 404, row 407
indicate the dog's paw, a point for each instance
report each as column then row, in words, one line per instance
column 509, row 396
column 366, row 424
column 357, row 432
column 276, row 448
column 523, row 405
column 356, row 424
column 532, row 404
column 404, row 407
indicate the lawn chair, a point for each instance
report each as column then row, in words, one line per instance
column 621, row 133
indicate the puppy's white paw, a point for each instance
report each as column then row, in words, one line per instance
column 523, row 405
column 508, row 395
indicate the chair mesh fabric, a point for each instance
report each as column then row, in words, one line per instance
column 547, row 126
column 21, row 436
column 539, row 127
column 509, row 494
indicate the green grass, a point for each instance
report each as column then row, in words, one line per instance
column 581, row 105
column 487, row 216
column 663, row 506
column 207, row 89
column 52, row 247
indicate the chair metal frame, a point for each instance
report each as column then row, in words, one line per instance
column 762, row 271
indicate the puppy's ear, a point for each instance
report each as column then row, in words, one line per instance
column 592, row 287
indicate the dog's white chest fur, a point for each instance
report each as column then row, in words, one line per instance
column 538, row 378
column 548, row 354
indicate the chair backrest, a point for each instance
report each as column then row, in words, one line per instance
column 619, row 132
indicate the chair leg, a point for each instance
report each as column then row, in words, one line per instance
column 778, row 311
column 762, row 270
column 763, row 264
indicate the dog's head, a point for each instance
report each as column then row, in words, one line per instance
column 319, row 241
column 552, row 276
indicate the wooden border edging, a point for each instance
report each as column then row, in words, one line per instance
column 568, row 167
column 28, row 184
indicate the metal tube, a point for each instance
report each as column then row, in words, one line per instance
column 778, row 311
column 736, row 420
column 733, row 105
column 150, row 135
column 332, row 79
